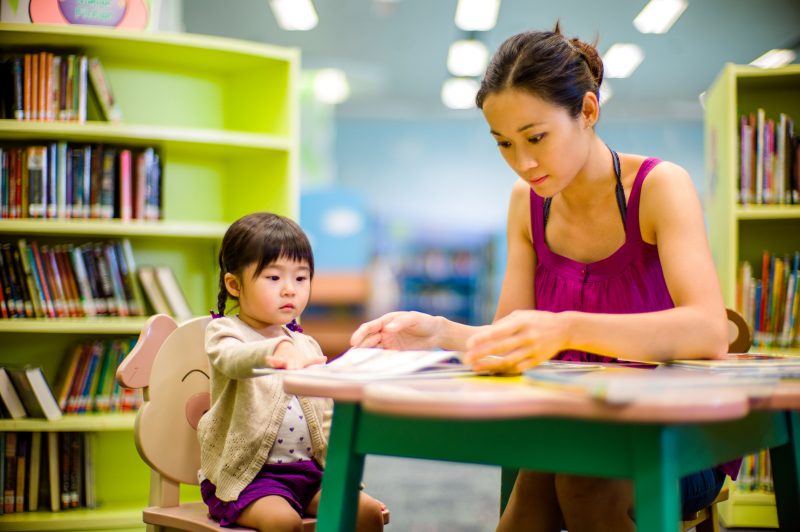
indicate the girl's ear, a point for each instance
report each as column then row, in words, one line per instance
column 232, row 285
column 591, row 109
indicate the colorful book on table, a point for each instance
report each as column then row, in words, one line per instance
column 619, row 384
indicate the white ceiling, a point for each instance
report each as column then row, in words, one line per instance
column 395, row 51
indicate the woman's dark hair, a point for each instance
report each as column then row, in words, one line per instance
column 260, row 238
column 546, row 64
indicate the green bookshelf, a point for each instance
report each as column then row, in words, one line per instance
column 223, row 115
column 741, row 232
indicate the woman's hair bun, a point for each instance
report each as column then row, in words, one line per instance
column 592, row 58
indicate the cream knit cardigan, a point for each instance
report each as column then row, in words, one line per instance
column 239, row 430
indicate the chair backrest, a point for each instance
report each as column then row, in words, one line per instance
column 740, row 335
column 169, row 361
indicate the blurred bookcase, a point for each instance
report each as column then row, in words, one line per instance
column 451, row 277
column 223, row 115
column 739, row 232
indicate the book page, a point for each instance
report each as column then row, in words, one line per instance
column 368, row 364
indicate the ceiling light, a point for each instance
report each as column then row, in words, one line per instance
column 621, row 60
column 658, row 16
column 605, row 93
column 477, row 15
column 775, row 58
column 467, row 58
column 294, row 14
column 459, row 93
column 331, row 86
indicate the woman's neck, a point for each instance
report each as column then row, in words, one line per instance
column 594, row 180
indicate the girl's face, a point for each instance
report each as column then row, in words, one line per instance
column 540, row 141
column 275, row 296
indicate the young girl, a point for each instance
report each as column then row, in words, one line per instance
column 262, row 451
column 607, row 257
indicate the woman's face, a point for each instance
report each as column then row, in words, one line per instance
column 540, row 141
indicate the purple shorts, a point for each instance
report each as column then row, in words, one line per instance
column 297, row 482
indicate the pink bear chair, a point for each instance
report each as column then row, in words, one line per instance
column 169, row 361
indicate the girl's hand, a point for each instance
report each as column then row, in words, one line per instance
column 518, row 341
column 398, row 330
column 287, row 356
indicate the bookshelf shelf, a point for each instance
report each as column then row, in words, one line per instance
column 116, row 517
column 72, row 423
column 113, row 228
column 223, row 116
column 742, row 232
column 172, row 140
column 767, row 212
column 100, row 325
column 749, row 509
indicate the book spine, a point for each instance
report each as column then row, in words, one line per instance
column 37, row 163
column 10, row 481
column 83, row 282
column 82, row 88
column 61, row 180
column 51, row 176
column 107, row 191
column 18, row 70
column 34, row 86
column 28, row 296
column 118, row 289
column 41, row 277
column 125, row 211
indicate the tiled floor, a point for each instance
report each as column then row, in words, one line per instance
column 429, row 496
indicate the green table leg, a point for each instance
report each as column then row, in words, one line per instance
column 343, row 472
column 508, row 476
column 656, row 480
column 786, row 473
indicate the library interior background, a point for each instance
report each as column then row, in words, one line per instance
column 359, row 121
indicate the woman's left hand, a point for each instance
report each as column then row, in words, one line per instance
column 518, row 341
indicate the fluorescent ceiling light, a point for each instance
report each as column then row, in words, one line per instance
column 621, row 60
column 477, row 15
column 331, row 86
column 459, row 93
column 605, row 93
column 658, row 16
column 775, row 58
column 294, row 14
column 467, row 58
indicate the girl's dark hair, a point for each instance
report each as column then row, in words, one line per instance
column 545, row 64
column 260, row 238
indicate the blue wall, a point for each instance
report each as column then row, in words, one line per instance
column 448, row 175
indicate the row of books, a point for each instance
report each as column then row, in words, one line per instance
column 755, row 473
column 46, row 470
column 86, row 382
column 68, row 280
column 770, row 304
column 87, row 379
column 44, row 86
column 769, row 163
column 64, row 180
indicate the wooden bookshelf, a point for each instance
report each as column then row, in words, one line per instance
column 223, row 116
column 742, row 232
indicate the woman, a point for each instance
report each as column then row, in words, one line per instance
column 607, row 257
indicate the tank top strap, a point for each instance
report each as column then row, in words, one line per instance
column 632, row 228
column 537, row 223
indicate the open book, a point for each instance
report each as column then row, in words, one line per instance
column 371, row 364
column 781, row 366
column 623, row 384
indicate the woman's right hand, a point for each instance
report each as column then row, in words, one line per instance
column 399, row 330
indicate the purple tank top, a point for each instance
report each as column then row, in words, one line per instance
column 629, row 280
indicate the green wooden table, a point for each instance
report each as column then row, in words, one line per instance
column 653, row 443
